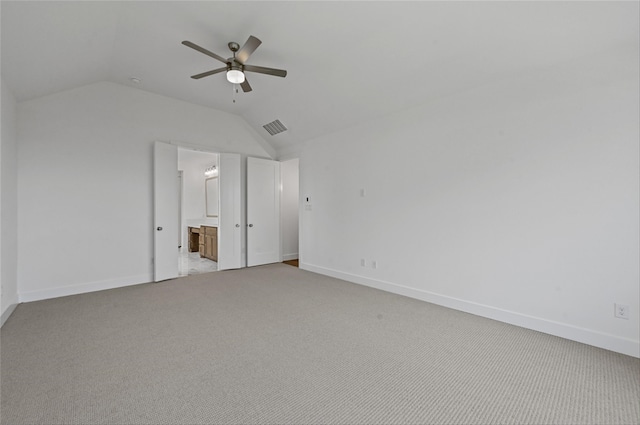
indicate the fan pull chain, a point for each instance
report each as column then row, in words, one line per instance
column 235, row 91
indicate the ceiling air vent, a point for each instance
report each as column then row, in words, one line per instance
column 275, row 127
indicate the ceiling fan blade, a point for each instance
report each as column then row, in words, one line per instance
column 249, row 47
column 263, row 70
column 206, row 74
column 245, row 86
column 205, row 51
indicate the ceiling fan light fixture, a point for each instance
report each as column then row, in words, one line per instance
column 235, row 76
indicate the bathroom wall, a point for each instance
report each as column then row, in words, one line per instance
column 193, row 212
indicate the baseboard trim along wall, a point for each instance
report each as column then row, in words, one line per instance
column 83, row 288
column 287, row 257
column 7, row 312
column 563, row 330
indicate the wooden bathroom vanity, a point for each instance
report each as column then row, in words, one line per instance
column 204, row 239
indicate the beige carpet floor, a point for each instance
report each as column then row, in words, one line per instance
column 279, row 345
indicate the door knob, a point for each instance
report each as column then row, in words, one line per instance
column 159, row 229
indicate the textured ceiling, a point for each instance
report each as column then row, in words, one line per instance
column 347, row 62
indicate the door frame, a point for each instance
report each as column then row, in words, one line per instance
column 283, row 211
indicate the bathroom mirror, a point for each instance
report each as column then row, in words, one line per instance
column 211, row 196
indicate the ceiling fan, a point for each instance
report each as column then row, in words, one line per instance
column 236, row 66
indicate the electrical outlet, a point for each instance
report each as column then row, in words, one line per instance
column 621, row 311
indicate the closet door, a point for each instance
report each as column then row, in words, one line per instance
column 263, row 212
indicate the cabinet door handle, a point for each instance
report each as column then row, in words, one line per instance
column 251, row 225
column 159, row 229
column 237, row 225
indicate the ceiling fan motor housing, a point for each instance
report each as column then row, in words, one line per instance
column 233, row 65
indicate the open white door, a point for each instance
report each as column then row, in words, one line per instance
column 229, row 219
column 166, row 211
column 263, row 212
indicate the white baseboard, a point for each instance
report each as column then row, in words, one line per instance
column 563, row 330
column 64, row 291
column 287, row 257
column 7, row 312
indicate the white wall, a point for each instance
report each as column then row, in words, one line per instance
column 8, row 206
column 516, row 201
column 289, row 208
column 85, row 182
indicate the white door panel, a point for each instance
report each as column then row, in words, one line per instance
column 263, row 212
column 229, row 220
column 166, row 211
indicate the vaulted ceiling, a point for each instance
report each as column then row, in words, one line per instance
column 347, row 62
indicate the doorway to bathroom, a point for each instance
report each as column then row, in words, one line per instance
column 198, row 173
